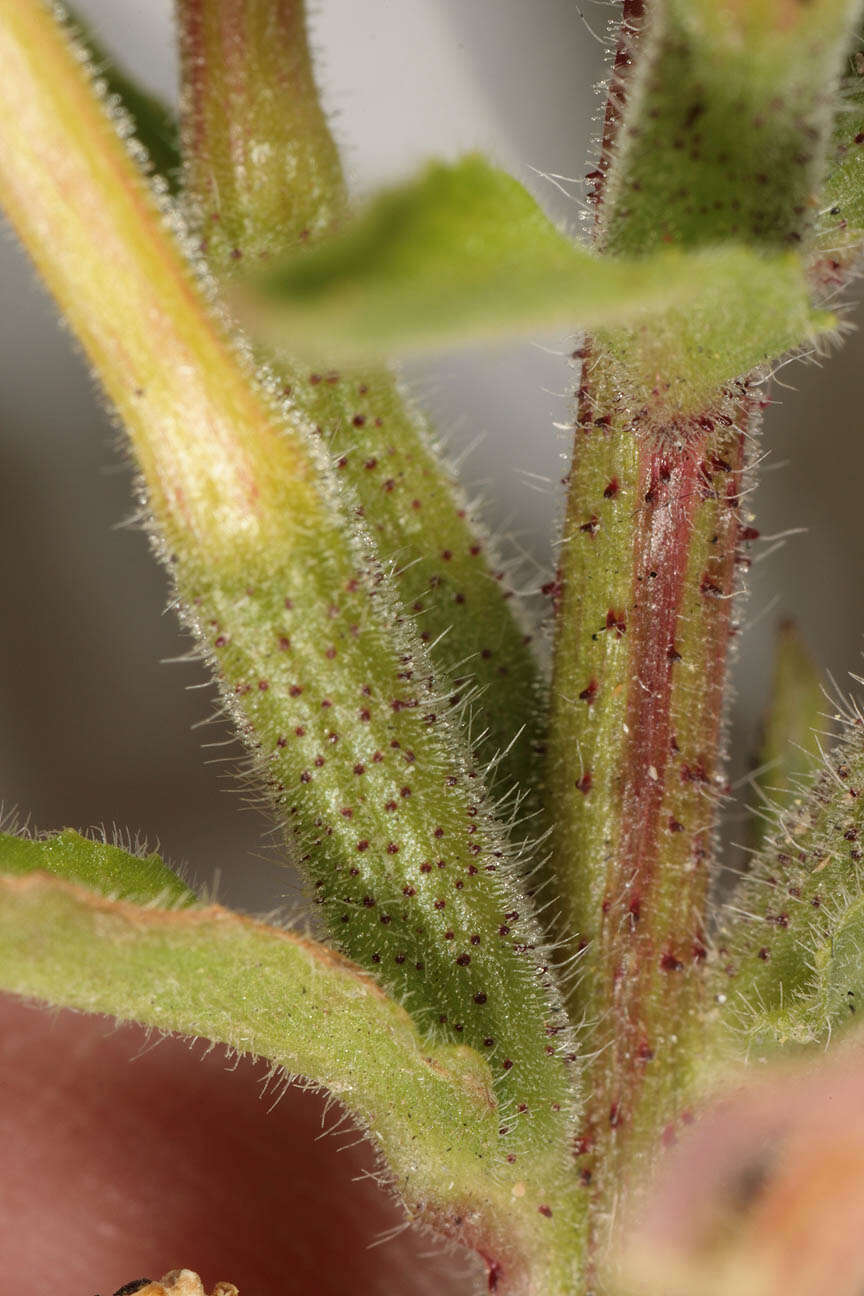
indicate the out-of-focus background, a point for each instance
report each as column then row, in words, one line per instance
column 94, row 729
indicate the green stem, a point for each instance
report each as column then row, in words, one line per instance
column 731, row 103
column 644, row 617
column 249, row 202
column 260, row 165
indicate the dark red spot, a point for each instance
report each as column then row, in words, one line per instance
column 545, row 1210
column 359, row 420
column 589, row 692
column 392, row 848
column 362, row 845
column 359, row 769
column 669, row 963
column 463, row 960
column 584, row 783
column 612, row 489
column 480, row 997
column 616, row 621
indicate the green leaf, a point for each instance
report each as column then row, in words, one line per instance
column 788, row 967
column 839, row 239
column 108, row 869
column 789, row 746
column 155, row 126
column 431, row 1108
column 260, row 990
column 465, row 253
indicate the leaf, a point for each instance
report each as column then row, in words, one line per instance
column 465, row 253
column 788, row 967
column 789, row 746
column 838, row 243
column 154, row 122
column 206, row 971
column 430, row 1107
column 108, row 869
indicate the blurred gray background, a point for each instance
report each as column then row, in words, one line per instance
column 94, row 729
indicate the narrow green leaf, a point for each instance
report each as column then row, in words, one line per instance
column 105, row 868
column 788, row 967
column 838, row 242
column 465, row 253
column 155, row 125
column 789, row 746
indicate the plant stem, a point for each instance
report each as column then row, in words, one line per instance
column 733, row 105
column 260, row 164
column 249, row 201
column 644, row 616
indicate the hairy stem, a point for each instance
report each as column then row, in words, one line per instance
column 262, row 174
column 644, row 616
column 724, row 136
